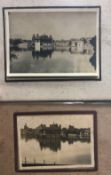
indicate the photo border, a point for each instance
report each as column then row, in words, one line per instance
column 35, row 113
column 52, row 78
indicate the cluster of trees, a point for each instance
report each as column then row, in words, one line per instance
column 15, row 42
column 93, row 58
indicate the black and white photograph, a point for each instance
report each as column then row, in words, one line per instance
column 52, row 141
column 52, row 43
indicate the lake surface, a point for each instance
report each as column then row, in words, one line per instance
column 51, row 62
column 55, row 152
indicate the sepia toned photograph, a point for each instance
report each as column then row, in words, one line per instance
column 55, row 141
column 52, row 43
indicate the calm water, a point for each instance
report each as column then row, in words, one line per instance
column 50, row 151
column 54, row 62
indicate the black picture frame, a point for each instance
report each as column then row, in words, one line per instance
column 17, row 115
column 65, row 77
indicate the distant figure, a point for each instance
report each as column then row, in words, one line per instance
column 25, row 160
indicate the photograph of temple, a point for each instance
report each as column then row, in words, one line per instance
column 55, row 140
column 53, row 43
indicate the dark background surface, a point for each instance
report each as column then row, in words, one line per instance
column 7, row 155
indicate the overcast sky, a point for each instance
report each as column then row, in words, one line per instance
column 61, row 25
column 79, row 121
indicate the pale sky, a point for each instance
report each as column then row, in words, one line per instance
column 61, row 25
column 77, row 120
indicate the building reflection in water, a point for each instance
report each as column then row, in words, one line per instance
column 42, row 54
column 53, row 143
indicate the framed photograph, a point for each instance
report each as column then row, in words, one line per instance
column 55, row 141
column 52, row 43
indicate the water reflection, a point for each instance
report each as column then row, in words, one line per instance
column 42, row 53
column 54, row 142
